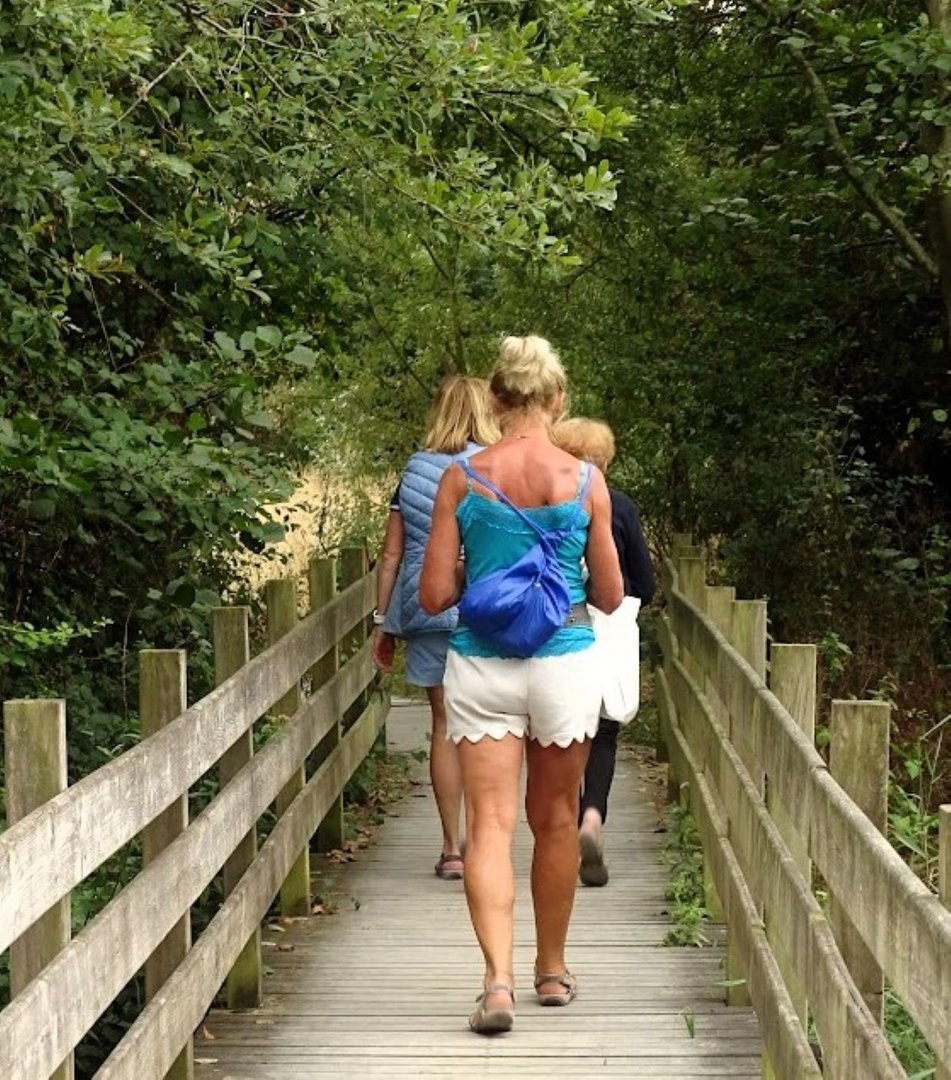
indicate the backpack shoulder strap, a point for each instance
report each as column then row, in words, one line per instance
column 471, row 475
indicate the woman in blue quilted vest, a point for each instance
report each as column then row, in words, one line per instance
column 461, row 422
column 502, row 705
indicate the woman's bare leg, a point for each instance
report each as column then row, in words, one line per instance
column 554, row 779
column 490, row 776
column 445, row 773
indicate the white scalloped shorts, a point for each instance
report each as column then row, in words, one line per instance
column 552, row 699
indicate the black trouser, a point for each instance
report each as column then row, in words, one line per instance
column 600, row 770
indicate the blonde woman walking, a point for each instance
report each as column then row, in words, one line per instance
column 502, row 709
column 461, row 423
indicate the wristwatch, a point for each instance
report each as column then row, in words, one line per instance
column 378, row 619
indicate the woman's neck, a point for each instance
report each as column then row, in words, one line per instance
column 533, row 425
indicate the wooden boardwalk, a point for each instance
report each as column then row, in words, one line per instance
column 382, row 987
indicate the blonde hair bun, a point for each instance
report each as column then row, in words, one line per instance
column 528, row 373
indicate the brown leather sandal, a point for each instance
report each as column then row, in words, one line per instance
column 565, row 979
column 493, row 1021
column 449, row 867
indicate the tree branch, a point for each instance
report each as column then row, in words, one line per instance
column 885, row 213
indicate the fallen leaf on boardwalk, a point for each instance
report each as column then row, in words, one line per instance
column 339, row 855
column 206, row 1034
column 318, row 909
column 285, row 947
column 277, row 929
column 265, row 944
column 206, row 1061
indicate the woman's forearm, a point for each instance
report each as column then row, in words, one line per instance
column 390, row 559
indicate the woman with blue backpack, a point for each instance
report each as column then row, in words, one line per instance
column 461, row 422
column 519, row 682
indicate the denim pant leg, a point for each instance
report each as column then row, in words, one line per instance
column 600, row 770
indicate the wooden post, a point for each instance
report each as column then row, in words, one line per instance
column 858, row 759
column 943, row 1071
column 792, row 680
column 680, row 541
column 162, row 697
column 322, row 582
column 353, row 566
column 232, row 652
column 749, row 640
column 749, row 633
column 281, row 597
column 692, row 573
column 748, row 622
column 720, row 608
column 35, row 771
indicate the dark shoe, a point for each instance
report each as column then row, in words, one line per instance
column 449, row 867
column 565, row 979
column 593, row 869
column 493, row 1021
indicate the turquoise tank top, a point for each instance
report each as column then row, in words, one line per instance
column 494, row 537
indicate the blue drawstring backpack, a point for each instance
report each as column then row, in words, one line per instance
column 520, row 607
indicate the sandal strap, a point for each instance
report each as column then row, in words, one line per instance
column 564, row 978
column 497, row 988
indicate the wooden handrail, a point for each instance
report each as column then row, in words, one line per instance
column 44, row 855
column 47, row 853
column 904, row 926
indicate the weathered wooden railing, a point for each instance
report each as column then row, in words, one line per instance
column 58, row 835
column 767, row 808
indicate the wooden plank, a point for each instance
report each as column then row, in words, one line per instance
column 34, row 742
column 78, row 985
column 49, row 852
column 643, row 1011
column 165, row 1024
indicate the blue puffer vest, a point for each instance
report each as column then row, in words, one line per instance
column 418, row 487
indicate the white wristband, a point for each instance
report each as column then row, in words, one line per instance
column 378, row 619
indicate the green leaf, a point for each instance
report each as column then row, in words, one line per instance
column 226, row 346
column 302, row 356
column 270, row 335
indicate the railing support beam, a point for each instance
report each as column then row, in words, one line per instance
column 232, row 650
column 858, row 759
column 35, row 771
column 322, row 581
column 281, row 597
column 162, row 697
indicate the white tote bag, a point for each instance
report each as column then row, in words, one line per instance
column 617, row 654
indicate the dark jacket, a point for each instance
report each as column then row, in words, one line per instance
column 636, row 567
